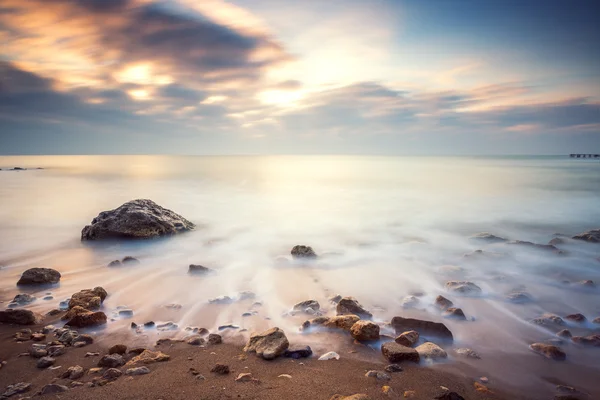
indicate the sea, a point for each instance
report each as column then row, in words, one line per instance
column 385, row 229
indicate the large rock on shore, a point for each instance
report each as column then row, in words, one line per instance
column 408, row 339
column 396, row 353
column 39, row 276
column 269, row 344
column 592, row 236
column 90, row 299
column 427, row 328
column 19, row 317
column 431, row 351
column 350, row 306
column 136, row 219
column 81, row 318
column 344, row 322
column 365, row 331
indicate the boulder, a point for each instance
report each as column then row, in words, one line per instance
column 19, row 317
column 549, row 320
column 488, row 238
column 304, row 305
column 463, row 287
column 365, row 331
column 408, row 338
column 90, row 299
column 302, row 251
column 565, row 333
column 549, row 351
column 350, row 306
column 443, row 303
column 81, row 318
column 39, row 276
column 269, row 344
column 591, row 340
column 431, row 351
column 339, row 322
column 136, row 219
column 592, row 236
column 427, row 328
column 199, row 269
column 396, row 353
column 576, row 318
column 111, row 361
column 456, row 313
column 296, row 352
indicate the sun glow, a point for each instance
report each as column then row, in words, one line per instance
column 279, row 97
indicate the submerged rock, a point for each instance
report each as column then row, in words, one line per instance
column 576, row 318
column 518, row 297
column 198, row 269
column 19, row 317
column 136, row 219
column 532, row 245
column 350, row 306
column 549, row 351
column 410, row 302
column 431, row 351
column 307, row 304
column 549, row 320
column 591, row 340
column 302, row 251
column 488, row 238
column 565, row 333
column 408, row 338
column 148, row 357
column 469, row 353
column 426, row 328
column 365, row 331
column 39, row 276
column 443, row 303
column 90, row 299
column 396, row 353
column 592, row 236
column 456, row 313
column 24, row 298
column 340, row 321
column 269, row 344
column 463, row 287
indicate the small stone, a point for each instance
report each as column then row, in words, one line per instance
column 269, row 344
column 220, row 369
column 481, row 388
column 48, row 328
column 114, row 263
column 195, row 340
column 73, row 373
column 335, row 298
column 53, row 388
column 244, row 377
column 518, row 297
column 93, row 371
column 408, row 394
column 410, row 302
column 332, row 355
column 148, row 357
column 111, row 361
column 548, row 351
column 45, row 362
column 408, row 338
column 137, row 371
column 456, row 313
column 38, row 352
column 381, row 376
column 285, row 376
column 213, row 338
column 465, row 352
column 24, row 298
column 227, row 326
column 199, row 269
column 431, row 351
column 345, row 322
column 308, row 304
column 548, row 320
column 166, row 326
column 484, row 379
column 303, row 252
column 88, row 354
column 396, row 353
column 38, row 337
column 111, row 374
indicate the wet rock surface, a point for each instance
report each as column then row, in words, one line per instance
column 425, row 328
column 443, row 303
column 351, row 306
column 549, row 351
column 338, row 322
column 19, row 317
column 396, row 353
column 365, row 331
column 408, row 338
column 90, row 299
column 136, row 219
column 431, row 351
column 81, row 318
column 592, row 236
column 455, row 313
column 269, row 344
column 39, row 276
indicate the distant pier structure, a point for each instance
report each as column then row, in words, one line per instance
column 584, row 155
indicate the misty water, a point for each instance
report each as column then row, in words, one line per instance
column 384, row 227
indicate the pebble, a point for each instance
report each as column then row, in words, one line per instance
column 220, row 369
column 244, row 377
column 45, row 362
column 111, row 374
column 484, row 379
column 381, row 376
column 285, row 376
column 53, row 388
column 393, row 368
column 89, row 354
column 332, row 355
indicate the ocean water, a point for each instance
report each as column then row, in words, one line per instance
column 385, row 228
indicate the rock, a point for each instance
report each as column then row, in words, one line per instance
column 549, row 320
column 301, row 251
column 358, row 396
column 340, row 322
column 296, row 352
column 199, row 269
column 269, row 344
column 38, row 352
column 137, row 350
column 39, row 276
column 221, row 300
column 465, row 352
column 320, row 321
column 111, row 361
column 396, row 353
column 56, row 350
column 335, row 299
column 45, row 362
column 576, row 318
column 532, row 245
column 431, row 351
column 557, row 241
column 426, row 328
column 587, row 284
column 68, row 337
column 149, row 324
column 38, row 337
column 118, row 349
column 195, row 340
column 591, row 340
column 379, row 375
column 136, row 219
column 126, row 313
column 443, row 303
column 137, row 371
column 518, row 297
column 220, row 369
column 81, row 318
column 167, row 326
column 227, row 326
column 456, row 313
column 244, row 377
column 393, row 368
column 24, row 298
column 90, row 299
column 73, row 373
column 408, row 338
column 23, row 335
column 463, row 287
column 308, row 304
column 130, row 260
column 17, row 388
column 148, row 357
column 19, row 317
column 53, row 388
column 549, row 351
column 565, row 333
column 592, row 236
column 449, row 396
column 365, row 331
column 350, row 306
column 596, row 320
column 410, row 302
column 332, row 355
column 213, row 338
column 111, row 374
column 114, row 263
column 488, row 238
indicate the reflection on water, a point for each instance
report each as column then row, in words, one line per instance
column 386, row 227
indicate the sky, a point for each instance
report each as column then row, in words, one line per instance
column 406, row 77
